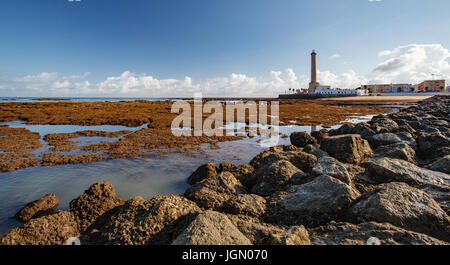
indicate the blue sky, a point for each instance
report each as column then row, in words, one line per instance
column 220, row 47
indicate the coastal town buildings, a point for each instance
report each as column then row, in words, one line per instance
column 431, row 86
column 342, row 92
column 388, row 88
column 316, row 90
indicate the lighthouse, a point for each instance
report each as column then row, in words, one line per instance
column 314, row 83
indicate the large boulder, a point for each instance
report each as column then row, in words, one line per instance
column 398, row 151
column 141, row 222
column 382, row 124
column 53, row 229
column 258, row 232
column 44, row 206
column 435, row 183
column 99, row 199
column 404, row 206
column 211, row 228
column 246, row 204
column 273, row 177
column 317, row 202
column 302, row 139
column 212, row 192
column 391, row 138
column 294, row 236
column 442, row 165
column 314, row 149
column 203, row 172
column 350, row 148
column 384, row 170
column 243, row 173
column 331, row 167
column 301, row 160
column 226, row 166
column 361, row 128
column 430, row 145
column 344, row 129
column 351, row 234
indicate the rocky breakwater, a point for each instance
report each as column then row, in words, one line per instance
column 387, row 178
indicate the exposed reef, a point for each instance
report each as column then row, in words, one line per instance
column 386, row 179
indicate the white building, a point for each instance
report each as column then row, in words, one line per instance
column 340, row 92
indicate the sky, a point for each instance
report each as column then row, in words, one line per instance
column 230, row 48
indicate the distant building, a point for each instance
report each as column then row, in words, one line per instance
column 402, row 88
column 389, row 88
column 380, row 88
column 431, row 86
column 341, row 92
column 447, row 89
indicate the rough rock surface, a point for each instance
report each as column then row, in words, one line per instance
column 243, row 174
column 301, row 160
column 350, row 148
column 351, row 234
column 442, row 165
column 273, row 177
column 140, row 222
column 53, row 229
column 227, row 166
column 391, row 138
column 211, row 228
column 314, row 149
column 302, row 139
column 316, row 202
column 258, row 232
column 362, row 129
column 385, row 170
column 246, row 204
column 427, row 143
column 382, row 124
column 203, row 172
column 406, row 207
column 398, row 151
column 211, row 193
column 296, row 235
column 44, row 206
column 331, row 167
column 96, row 201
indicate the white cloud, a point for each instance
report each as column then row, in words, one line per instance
column 410, row 63
column 413, row 63
column 345, row 80
column 335, row 56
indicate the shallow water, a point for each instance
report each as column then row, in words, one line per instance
column 89, row 99
column 52, row 129
column 146, row 177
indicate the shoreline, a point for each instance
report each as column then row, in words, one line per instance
column 377, row 172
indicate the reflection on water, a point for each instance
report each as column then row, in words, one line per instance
column 34, row 99
column 53, row 129
column 146, row 177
